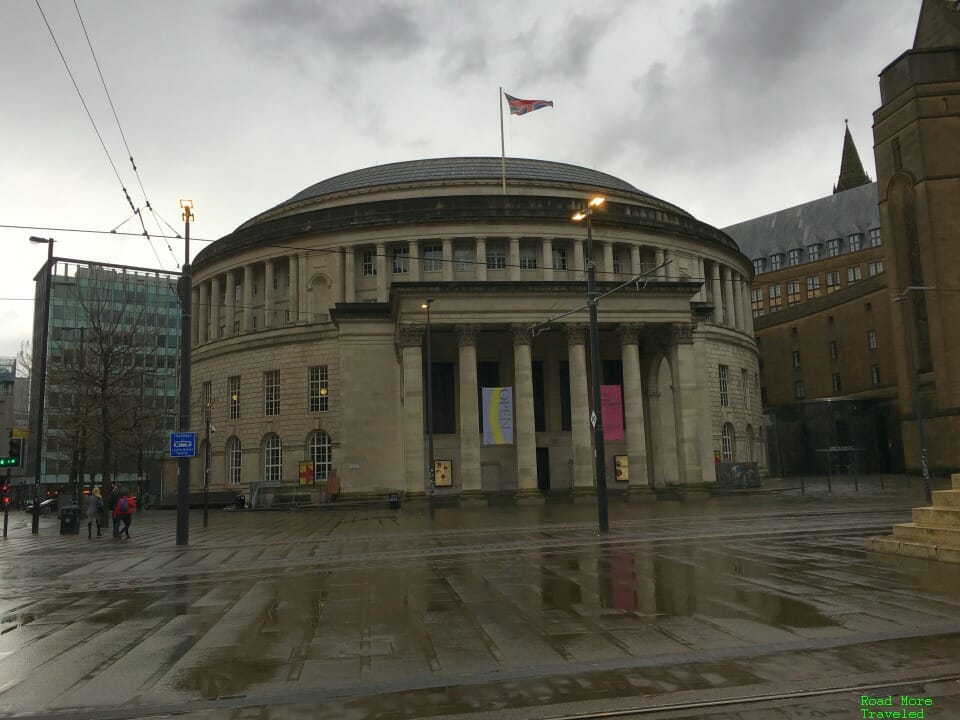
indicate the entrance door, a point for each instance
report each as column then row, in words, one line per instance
column 543, row 468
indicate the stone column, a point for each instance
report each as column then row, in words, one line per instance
column 214, row 308
column 513, row 259
column 747, row 307
column 447, row 270
column 268, row 293
column 686, row 414
column 381, row 259
column 231, row 301
column 658, row 261
column 524, row 429
column 469, row 409
column 580, row 407
column 578, row 265
column 671, row 271
column 303, row 304
column 350, row 275
column 547, row 259
column 726, row 277
column 608, row 260
column 737, row 301
column 701, row 295
column 636, row 263
column 717, row 294
column 195, row 316
column 410, row 339
column 247, row 298
column 633, row 404
column 203, row 312
column 293, row 292
column 481, row 258
column 413, row 249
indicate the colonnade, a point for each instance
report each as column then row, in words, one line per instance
column 244, row 299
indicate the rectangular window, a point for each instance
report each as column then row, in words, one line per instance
column 833, row 247
column 872, row 339
column 874, row 268
column 813, row 286
column 496, row 257
column 271, row 392
column 369, row 266
column 759, row 264
column 233, row 396
column 793, row 257
column 773, row 294
column 837, row 385
column 793, row 293
column 776, row 261
column 566, row 418
column 443, row 398
column 488, row 375
column 276, row 282
column 875, row 239
column 724, row 391
column 559, row 258
column 464, row 257
column 756, row 301
column 814, row 251
column 833, row 281
column 401, row 261
column 617, row 262
column 539, row 397
column 236, row 461
column 854, row 242
column 528, row 259
column 874, row 374
column 798, row 390
column 237, row 292
column 236, row 327
column 433, row 258
column 207, row 400
column 853, row 275
column 834, row 351
column 795, row 359
column 317, row 388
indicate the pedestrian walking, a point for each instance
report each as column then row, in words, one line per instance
column 94, row 504
column 120, row 511
column 126, row 519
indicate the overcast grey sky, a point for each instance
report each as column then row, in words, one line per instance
column 728, row 108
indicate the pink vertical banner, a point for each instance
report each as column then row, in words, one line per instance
column 611, row 407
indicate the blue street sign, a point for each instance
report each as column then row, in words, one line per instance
column 183, row 444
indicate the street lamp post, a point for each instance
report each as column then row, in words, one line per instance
column 38, row 439
column 915, row 382
column 596, row 417
column 431, row 470
column 183, row 479
column 206, row 465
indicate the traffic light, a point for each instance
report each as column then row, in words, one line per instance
column 14, row 456
column 5, row 495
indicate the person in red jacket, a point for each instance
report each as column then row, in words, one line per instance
column 123, row 513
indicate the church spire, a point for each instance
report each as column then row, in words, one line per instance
column 851, row 169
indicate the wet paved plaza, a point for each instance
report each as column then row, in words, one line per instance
column 498, row 612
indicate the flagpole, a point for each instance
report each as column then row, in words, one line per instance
column 503, row 154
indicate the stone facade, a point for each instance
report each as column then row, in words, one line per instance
column 335, row 281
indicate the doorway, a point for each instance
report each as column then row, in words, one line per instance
column 543, row 469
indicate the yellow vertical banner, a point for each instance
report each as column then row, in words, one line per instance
column 497, row 415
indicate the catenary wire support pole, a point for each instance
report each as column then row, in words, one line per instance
column 915, row 382
column 38, row 438
column 431, row 467
column 206, row 468
column 183, row 478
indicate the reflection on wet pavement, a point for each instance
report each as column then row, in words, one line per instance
column 482, row 609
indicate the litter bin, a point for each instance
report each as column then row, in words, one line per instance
column 394, row 501
column 241, row 502
column 70, row 520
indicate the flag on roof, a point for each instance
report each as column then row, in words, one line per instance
column 521, row 107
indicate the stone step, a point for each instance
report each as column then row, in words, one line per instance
column 937, row 517
column 925, row 551
column 946, row 498
column 911, row 532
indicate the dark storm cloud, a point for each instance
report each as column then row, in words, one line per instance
column 357, row 31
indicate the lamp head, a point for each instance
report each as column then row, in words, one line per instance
column 597, row 201
column 578, row 216
column 425, row 305
column 185, row 204
column 40, row 240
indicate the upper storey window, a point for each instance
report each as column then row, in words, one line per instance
column 464, row 257
column 875, row 239
column 833, row 247
column 617, row 262
column 793, row 257
column 854, row 242
column 496, row 256
column 401, row 261
column 559, row 258
column 528, row 259
column 369, row 263
column 776, row 261
column 759, row 265
column 815, row 251
column 433, row 258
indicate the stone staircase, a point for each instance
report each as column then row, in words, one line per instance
column 934, row 533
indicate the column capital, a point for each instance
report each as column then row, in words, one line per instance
column 681, row 333
column 630, row 333
column 467, row 334
column 576, row 333
column 410, row 335
column 521, row 334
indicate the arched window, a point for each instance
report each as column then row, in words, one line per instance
column 750, row 443
column 727, row 439
column 234, row 461
column 272, row 458
column 318, row 450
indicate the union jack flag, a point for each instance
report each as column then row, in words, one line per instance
column 521, row 107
